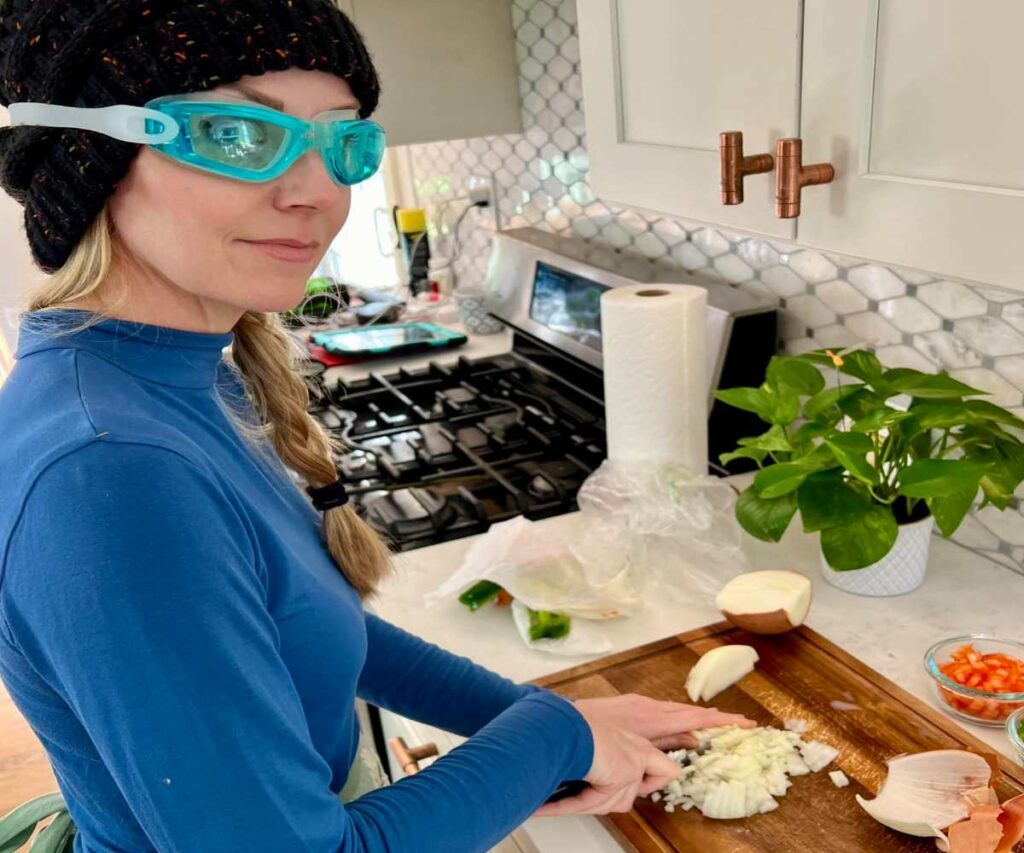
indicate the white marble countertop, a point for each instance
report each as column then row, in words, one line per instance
column 964, row 593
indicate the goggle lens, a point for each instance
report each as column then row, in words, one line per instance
column 355, row 152
column 243, row 143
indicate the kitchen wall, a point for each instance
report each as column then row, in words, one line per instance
column 18, row 275
column 917, row 319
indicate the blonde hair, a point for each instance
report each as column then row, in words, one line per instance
column 265, row 360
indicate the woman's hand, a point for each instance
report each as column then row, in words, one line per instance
column 625, row 766
column 628, row 731
column 667, row 725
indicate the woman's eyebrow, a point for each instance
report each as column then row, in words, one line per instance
column 274, row 103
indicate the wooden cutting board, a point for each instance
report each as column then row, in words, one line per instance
column 800, row 675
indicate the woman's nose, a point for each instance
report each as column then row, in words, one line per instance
column 307, row 183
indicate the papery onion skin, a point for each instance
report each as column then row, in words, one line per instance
column 923, row 793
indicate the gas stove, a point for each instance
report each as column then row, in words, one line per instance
column 447, row 450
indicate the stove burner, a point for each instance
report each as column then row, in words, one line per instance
column 445, row 452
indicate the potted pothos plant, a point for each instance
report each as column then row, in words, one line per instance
column 871, row 461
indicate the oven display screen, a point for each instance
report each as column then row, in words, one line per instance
column 568, row 303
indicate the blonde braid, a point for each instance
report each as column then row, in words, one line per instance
column 264, row 355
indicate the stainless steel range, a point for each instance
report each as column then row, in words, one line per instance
column 444, row 452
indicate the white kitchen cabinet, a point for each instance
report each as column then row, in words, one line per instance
column 915, row 103
column 661, row 80
column 447, row 67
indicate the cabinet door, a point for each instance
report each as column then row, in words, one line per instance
column 661, row 80
column 447, row 67
column 917, row 104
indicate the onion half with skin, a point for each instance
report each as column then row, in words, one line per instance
column 924, row 794
column 771, row 601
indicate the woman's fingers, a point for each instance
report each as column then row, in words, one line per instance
column 659, row 766
column 682, row 740
column 650, row 784
column 582, row 803
column 672, row 722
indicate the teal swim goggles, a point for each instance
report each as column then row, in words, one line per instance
column 244, row 141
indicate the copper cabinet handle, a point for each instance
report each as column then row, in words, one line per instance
column 410, row 757
column 791, row 176
column 735, row 167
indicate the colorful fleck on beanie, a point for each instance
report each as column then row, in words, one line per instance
column 96, row 53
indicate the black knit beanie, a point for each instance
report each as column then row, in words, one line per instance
column 96, row 53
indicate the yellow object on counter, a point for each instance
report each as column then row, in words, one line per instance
column 411, row 220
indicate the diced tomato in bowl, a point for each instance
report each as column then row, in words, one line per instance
column 978, row 678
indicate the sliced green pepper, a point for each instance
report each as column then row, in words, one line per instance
column 548, row 624
column 479, row 594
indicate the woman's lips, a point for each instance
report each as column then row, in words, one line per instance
column 283, row 251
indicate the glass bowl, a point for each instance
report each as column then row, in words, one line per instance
column 1014, row 724
column 975, row 706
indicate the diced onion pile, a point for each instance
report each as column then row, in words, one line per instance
column 736, row 773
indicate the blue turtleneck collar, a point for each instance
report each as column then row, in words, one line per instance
column 158, row 353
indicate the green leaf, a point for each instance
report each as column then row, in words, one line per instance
column 936, row 414
column 798, row 375
column 850, row 450
column 859, row 363
column 808, row 432
column 743, row 453
column 774, row 439
column 935, row 386
column 749, row 399
column 825, row 499
column 765, row 519
column 861, row 403
column 823, row 406
column 863, row 365
column 949, row 510
column 781, row 479
column 991, row 412
column 879, row 419
column 769, row 406
column 935, row 478
column 1001, row 480
column 862, row 540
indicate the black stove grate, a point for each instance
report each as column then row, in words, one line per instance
column 446, row 451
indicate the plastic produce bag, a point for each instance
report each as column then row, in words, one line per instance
column 585, row 637
column 535, row 563
column 660, row 529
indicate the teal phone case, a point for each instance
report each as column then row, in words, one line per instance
column 392, row 339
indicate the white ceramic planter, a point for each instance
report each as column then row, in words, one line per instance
column 901, row 570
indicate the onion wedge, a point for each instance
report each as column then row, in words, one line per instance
column 923, row 794
column 719, row 669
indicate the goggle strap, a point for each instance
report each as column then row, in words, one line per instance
column 127, row 123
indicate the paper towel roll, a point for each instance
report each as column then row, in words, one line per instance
column 656, row 395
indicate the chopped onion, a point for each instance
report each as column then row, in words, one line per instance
column 818, row 755
column 924, row 793
column 839, row 778
column 736, row 773
column 798, row 726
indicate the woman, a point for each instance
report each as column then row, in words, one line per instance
column 179, row 625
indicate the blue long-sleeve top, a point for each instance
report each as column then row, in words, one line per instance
column 174, row 631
